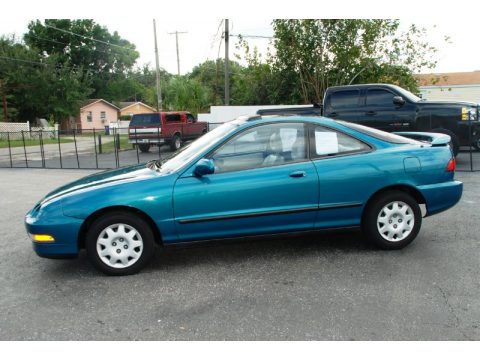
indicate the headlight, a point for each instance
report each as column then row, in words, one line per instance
column 469, row 114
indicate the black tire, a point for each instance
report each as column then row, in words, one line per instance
column 476, row 144
column 454, row 143
column 176, row 142
column 371, row 221
column 144, row 147
column 128, row 220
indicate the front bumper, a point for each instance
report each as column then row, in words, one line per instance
column 442, row 196
column 62, row 228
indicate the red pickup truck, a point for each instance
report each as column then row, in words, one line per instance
column 164, row 128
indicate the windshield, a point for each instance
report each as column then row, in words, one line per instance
column 378, row 134
column 407, row 94
column 188, row 153
column 145, row 119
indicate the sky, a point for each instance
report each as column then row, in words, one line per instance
column 202, row 40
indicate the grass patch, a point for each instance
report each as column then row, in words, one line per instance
column 32, row 142
column 109, row 147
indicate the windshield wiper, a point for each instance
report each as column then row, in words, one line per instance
column 154, row 165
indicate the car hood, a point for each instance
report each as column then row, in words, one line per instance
column 102, row 179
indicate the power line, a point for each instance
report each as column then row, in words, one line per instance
column 71, row 68
column 89, row 38
column 254, row 36
column 21, row 60
column 66, row 44
column 214, row 39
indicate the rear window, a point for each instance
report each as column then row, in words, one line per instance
column 145, row 119
column 378, row 134
column 344, row 99
column 173, row 118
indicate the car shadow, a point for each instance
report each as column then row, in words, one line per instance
column 230, row 252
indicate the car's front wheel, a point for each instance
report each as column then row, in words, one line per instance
column 392, row 220
column 119, row 243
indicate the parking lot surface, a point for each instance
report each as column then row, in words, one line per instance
column 329, row 286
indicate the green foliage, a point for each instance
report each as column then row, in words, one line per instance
column 183, row 93
column 101, row 61
column 54, row 70
column 331, row 52
column 39, row 86
column 212, row 74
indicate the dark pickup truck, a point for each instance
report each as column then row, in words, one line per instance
column 164, row 128
column 391, row 108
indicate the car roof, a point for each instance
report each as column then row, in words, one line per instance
column 285, row 118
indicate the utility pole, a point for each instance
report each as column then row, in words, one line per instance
column 176, row 40
column 227, row 73
column 159, row 90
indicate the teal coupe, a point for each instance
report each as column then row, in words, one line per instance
column 248, row 177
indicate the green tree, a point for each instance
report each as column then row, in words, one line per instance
column 212, row 74
column 103, row 60
column 183, row 93
column 330, row 52
column 37, row 86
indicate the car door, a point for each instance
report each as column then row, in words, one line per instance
column 343, row 105
column 346, row 176
column 263, row 183
column 379, row 110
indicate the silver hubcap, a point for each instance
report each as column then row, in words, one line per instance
column 395, row 221
column 119, row 245
column 177, row 143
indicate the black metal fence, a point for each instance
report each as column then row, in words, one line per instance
column 86, row 149
column 102, row 149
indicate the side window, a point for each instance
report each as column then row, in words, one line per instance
column 89, row 116
column 379, row 97
column 190, row 118
column 262, row 146
column 172, row 118
column 328, row 142
column 344, row 99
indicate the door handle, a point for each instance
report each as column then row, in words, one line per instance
column 333, row 114
column 297, row 174
column 371, row 113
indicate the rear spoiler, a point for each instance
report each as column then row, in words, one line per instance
column 435, row 139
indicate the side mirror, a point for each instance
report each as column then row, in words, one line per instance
column 398, row 100
column 204, row 167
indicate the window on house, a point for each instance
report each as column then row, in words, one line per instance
column 103, row 115
column 89, row 116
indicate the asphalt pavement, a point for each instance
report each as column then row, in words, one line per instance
column 328, row 286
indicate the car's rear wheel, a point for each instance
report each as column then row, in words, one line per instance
column 144, row 147
column 454, row 143
column 119, row 243
column 176, row 142
column 392, row 220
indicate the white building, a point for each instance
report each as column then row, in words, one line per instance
column 460, row 86
column 221, row 114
